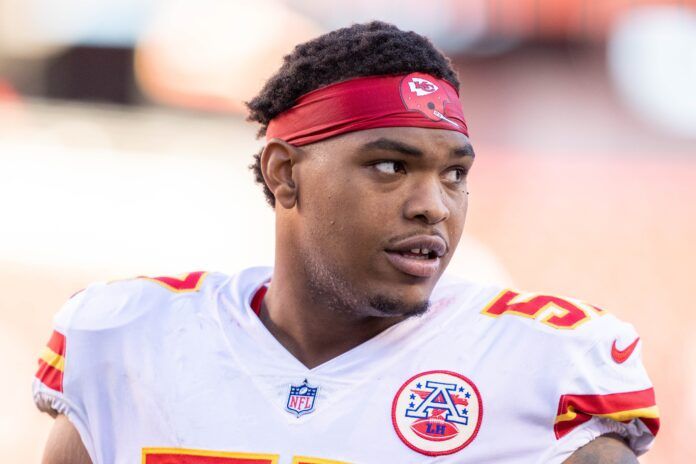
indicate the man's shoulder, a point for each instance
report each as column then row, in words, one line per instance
column 106, row 305
column 529, row 315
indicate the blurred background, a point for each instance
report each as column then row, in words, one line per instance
column 124, row 151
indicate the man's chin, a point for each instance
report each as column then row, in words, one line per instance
column 385, row 306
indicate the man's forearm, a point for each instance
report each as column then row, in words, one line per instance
column 607, row 449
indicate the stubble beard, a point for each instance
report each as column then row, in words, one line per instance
column 329, row 288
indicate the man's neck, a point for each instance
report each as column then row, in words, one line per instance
column 313, row 332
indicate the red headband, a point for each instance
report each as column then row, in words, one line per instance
column 414, row 100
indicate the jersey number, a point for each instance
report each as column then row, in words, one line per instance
column 559, row 313
column 190, row 456
column 190, row 282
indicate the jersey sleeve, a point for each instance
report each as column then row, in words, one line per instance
column 49, row 384
column 79, row 337
column 95, row 349
column 607, row 390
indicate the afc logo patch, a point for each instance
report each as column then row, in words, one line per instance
column 437, row 412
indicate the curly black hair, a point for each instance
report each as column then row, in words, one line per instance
column 371, row 49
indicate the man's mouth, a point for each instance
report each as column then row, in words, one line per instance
column 417, row 256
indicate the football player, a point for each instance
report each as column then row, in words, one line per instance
column 354, row 348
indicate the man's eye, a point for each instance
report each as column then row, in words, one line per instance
column 390, row 167
column 455, row 175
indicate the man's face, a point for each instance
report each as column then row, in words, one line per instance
column 379, row 214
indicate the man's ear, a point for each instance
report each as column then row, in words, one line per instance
column 277, row 161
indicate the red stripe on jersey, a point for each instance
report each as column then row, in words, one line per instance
column 189, row 283
column 57, row 343
column 50, row 376
column 174, row 458
column 50, row 371
column 574, row 410
column 258, row 299
column 652, row 424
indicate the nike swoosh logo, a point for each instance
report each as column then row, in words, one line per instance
column 621, row 356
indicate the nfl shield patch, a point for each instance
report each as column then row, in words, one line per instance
column 301, row 399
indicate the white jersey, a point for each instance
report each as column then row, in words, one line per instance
column 182, row 371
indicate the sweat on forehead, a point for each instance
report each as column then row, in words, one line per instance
column 412, row 100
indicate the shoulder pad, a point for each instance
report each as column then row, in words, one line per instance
column 112, row 304
column 559, row 313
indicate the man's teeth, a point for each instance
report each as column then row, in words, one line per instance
column 420, row 251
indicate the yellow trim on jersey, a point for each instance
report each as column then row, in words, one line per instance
column 563, row 313
column 52, row 358
column 213, row 454
column 310, row 460
column 182, row 277
column 645, row 413
column 566, row 416
column 651, row 412
column 493, row 301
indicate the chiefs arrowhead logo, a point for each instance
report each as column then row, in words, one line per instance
column 620, row 356
column 421, row 86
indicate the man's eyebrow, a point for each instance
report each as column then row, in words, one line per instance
column 394, row 145
column 464, row 150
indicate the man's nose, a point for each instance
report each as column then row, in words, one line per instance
column 427, row 202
